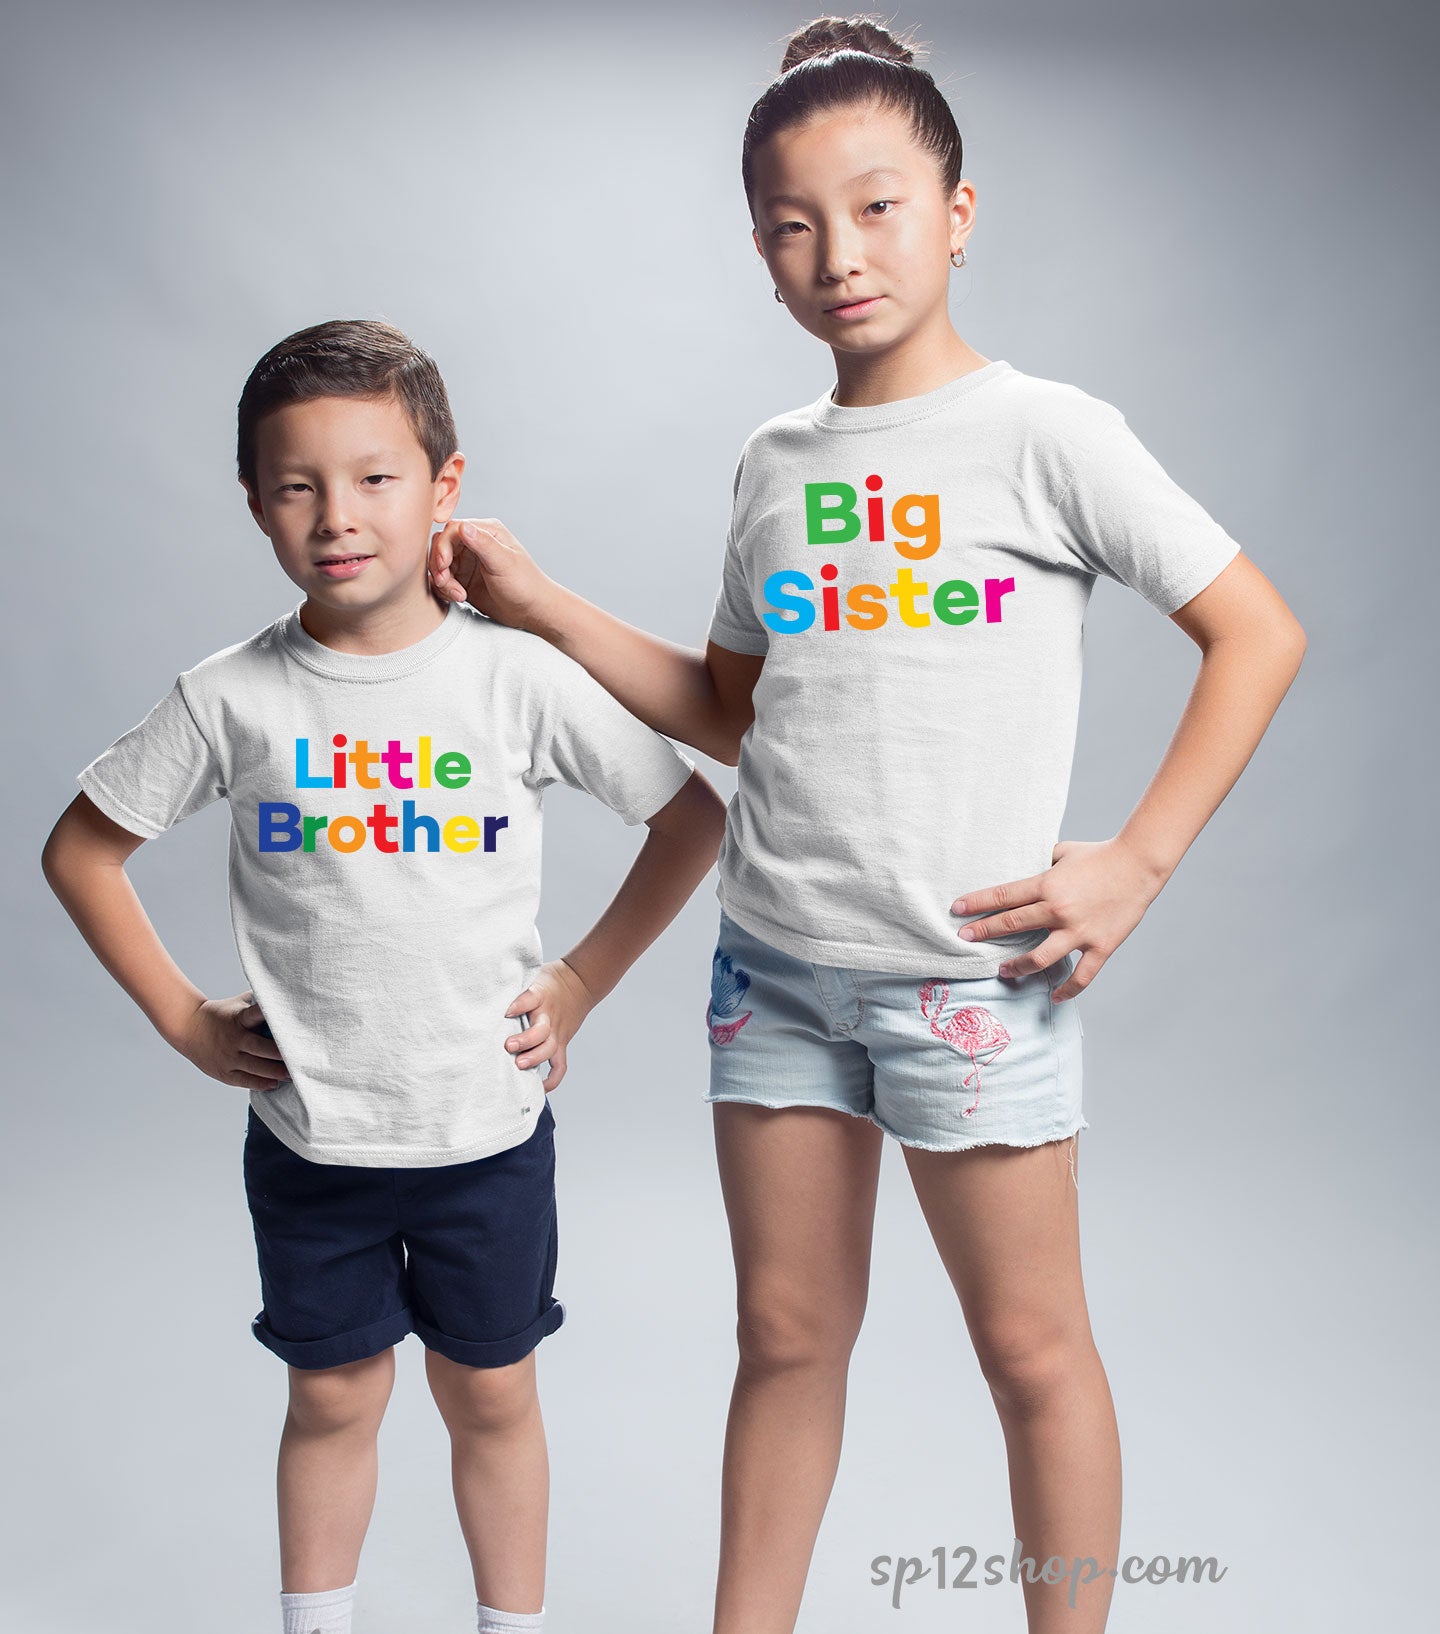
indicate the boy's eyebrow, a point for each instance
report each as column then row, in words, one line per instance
column 378, row 456
column 868, row 176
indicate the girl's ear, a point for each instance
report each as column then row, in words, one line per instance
column 755, row 238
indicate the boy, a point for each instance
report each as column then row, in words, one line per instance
column 384, row 756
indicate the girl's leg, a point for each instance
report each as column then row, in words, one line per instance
column 325, row 1480
column 500, row 1471
column 799, row 1185
column 1006, row 1224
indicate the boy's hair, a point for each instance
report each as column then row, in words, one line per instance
column 348, row 357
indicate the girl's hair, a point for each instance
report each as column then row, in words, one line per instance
column 836, row 62
column 348, row 357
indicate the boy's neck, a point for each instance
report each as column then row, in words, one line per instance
column 372, row 631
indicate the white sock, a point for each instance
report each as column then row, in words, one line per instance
column 490, row 1621
column 327, row 1611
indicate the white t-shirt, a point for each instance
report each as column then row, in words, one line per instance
column 385, row 862
column 917, row 573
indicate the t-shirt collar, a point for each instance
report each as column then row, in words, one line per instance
column 836, row 417
column 386, row 666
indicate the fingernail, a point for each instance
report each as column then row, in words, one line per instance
column 968, row 932
column 466, row 531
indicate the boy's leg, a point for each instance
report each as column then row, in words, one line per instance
column 500, row 1471
column 325, row 1481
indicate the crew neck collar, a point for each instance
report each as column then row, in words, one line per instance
column 355, row 666
column 836, row 417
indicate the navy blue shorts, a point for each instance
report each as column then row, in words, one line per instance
column 352, row 1259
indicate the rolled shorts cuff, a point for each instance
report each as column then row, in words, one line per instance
column 338, row 1348
column 492, row 1352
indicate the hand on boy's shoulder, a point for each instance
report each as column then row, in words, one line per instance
column 478, row 559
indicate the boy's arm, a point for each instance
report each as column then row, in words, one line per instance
column 680, row 849
column 84, row 862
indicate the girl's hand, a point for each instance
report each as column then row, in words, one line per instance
column 1095, row 893
column 220, row 1039
column 483, row 562
column 557, row 1002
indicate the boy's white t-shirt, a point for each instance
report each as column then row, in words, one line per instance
column 916, row 574
column 384, row 897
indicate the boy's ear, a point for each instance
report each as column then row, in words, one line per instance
column 252, row 499
column 447, row 487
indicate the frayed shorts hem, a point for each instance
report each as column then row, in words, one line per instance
column 1071, row 1127
column 1019, row 1141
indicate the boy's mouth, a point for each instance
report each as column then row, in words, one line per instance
column 342, row 567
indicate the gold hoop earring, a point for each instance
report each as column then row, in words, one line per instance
column 961, row 253
column 779, row 297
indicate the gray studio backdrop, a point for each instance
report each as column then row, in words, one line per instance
column 1219, row 219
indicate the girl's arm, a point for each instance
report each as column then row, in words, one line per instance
column 700, row 699
column 84, row 863
column 1097, row 891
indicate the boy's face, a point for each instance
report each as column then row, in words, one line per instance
column 344, row 492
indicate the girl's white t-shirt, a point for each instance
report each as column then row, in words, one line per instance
column 916, row 574
column 385, row 818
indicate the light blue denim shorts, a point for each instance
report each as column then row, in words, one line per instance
column 936, row 1062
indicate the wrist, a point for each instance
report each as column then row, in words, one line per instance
column 1155, row 864
column 174, row 1018
column 547, row 616
column 590, row 995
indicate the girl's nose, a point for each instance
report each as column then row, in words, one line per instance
column 841, row 257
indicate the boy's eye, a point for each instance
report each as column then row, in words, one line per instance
column 780, row 231
column 378, row 477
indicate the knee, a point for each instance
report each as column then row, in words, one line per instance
column 777, row 1333
column 334, row 1400
column 482, row 1400
column 1030, row 1366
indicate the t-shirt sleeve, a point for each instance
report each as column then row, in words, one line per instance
column 590, row 741
column 734, row 624
column 158, row 773
column 1122, row 515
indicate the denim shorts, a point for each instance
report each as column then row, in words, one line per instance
column 937, row 1062
column 352, row 1259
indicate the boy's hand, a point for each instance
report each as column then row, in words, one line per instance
column 557, row 1002
column 483, row 562
column 221, row 1040
column 1093, row 895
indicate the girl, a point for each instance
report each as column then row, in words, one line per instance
column 894, row 664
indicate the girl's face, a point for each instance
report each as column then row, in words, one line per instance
column 855, row 229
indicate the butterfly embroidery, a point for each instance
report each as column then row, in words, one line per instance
column 728, row 987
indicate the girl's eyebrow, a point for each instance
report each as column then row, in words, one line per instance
column 868, row 176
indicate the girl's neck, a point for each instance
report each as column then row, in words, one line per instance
column 924, row 361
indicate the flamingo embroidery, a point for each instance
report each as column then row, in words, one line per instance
column 728, row 987
column 972, row 1030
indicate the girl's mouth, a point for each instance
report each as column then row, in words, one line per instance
column 343, row 567
column 856, row 309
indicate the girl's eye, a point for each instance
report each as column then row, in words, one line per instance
column 780, row 231
column 879, row 202
column 290, row 487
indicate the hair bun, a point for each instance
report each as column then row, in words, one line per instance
column 827, row 35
